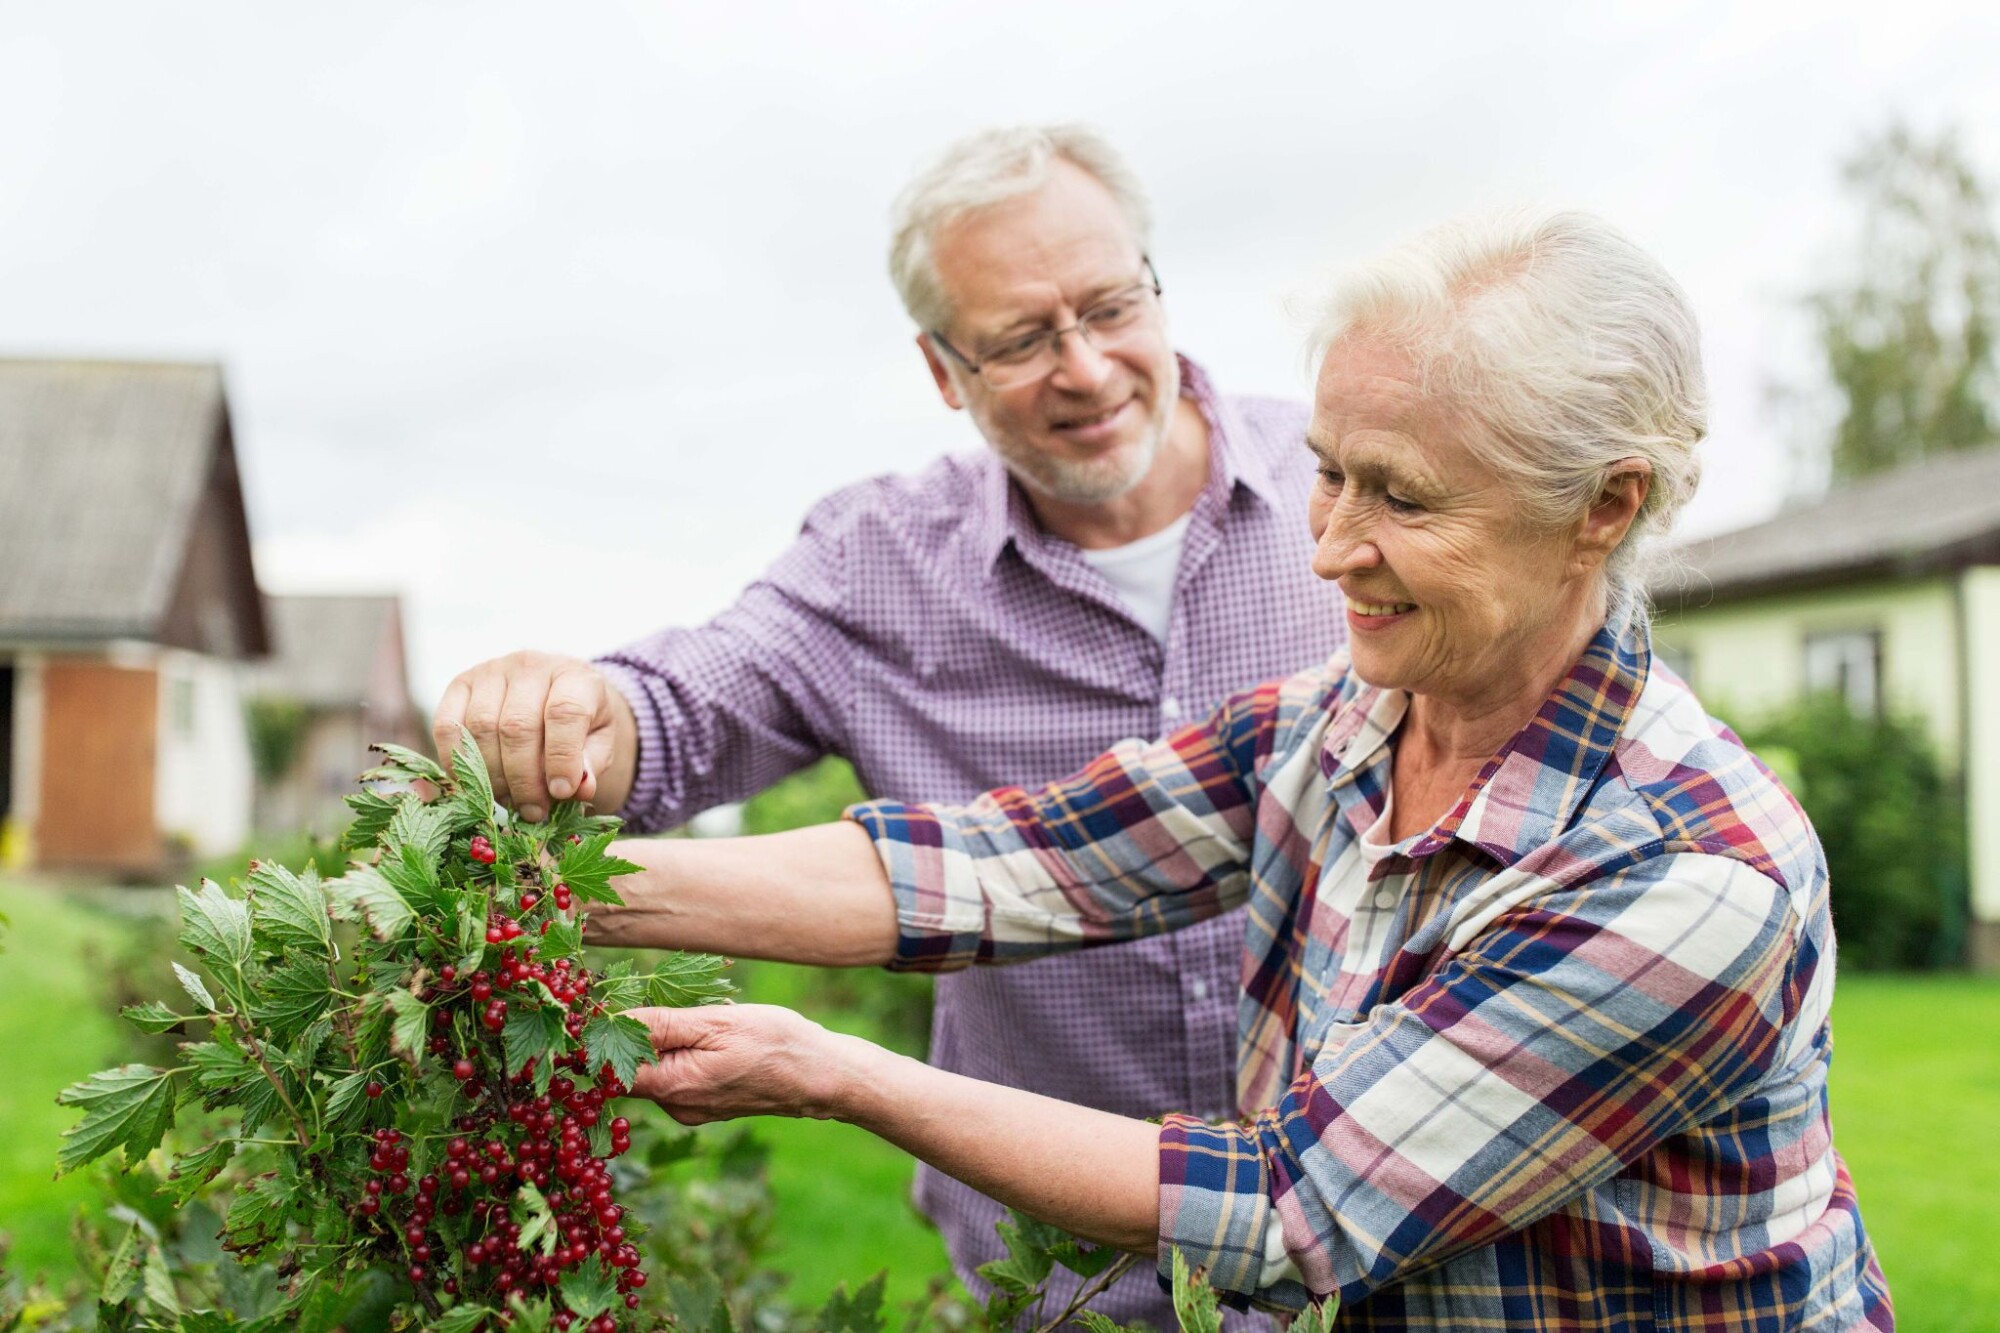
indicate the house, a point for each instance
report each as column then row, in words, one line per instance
column 336, row 682
column 1887, row 590
column 128, row 604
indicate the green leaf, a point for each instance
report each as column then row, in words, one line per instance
column 589, row 1290
column 529, row 1316
column 151, row 1016
column 623, row 1042
column 192, row 984
column 859, row 1313
column 405, row 764
column 1195, row 1302
column 291, row 997
column 423, row 827
column 344, row 1096
column 684, row 980
column 472, row 933
column 1318, row 1318
column 532, row 1033
column 220, row 1070
column 414, row 875
column 158, row 1284
column 363, row 889
column 412, row 1027
column 474, row 789
column 289, row 912
column 191, row 1171
column 463, row 1318
column 538, row 1224
column 257, row 1214
column 588, row 869
column 1098, row 1323
column 564, row 940
column 372, row 813
column 215, row 925
column 132, row 1106
column 122, row 1272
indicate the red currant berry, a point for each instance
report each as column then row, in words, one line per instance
column 371, row 1088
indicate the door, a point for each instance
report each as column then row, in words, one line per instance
column 99, row 727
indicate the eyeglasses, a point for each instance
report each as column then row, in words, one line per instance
column 1109, row 323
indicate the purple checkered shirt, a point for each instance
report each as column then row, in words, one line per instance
column 926, row 629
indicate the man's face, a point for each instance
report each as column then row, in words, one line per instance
column 1090, row 430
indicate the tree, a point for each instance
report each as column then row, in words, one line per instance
column 1908, row 334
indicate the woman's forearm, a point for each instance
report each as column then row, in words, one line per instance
column 816, row 895
column 1088, row 1171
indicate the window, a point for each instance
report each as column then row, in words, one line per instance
column 1849, row 663
column 180, row 704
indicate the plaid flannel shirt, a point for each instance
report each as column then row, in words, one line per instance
column 1558, row 1062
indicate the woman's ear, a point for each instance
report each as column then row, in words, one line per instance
column 1619, row 499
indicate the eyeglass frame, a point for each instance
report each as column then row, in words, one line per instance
column 1150, row 282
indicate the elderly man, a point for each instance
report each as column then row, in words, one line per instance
column 1132, row 548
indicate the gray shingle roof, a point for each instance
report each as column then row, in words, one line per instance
column 102, row 465
column 1941, row 513
column 324, row 648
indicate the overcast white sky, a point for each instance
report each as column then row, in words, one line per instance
column 557, row 318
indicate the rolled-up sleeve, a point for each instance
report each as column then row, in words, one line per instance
column 1148, row 838
column 1561, row 1040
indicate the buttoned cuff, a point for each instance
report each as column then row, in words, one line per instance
column 1215, row 1208
column 940, row 911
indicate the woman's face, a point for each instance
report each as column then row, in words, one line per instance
column 1449, row 594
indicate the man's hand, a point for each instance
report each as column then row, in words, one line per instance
column 550, row 728
column 718, row 1062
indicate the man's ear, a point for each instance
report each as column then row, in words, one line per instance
column 1610, row 517
column 940, row 373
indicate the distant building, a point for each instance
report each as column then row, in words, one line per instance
column 1887, row 590
column 128, row 603
column 336, row 683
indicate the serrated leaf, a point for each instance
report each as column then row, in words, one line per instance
column 617, row 988
column 192, row 984
column 344, row 1096
column 151, row 1016
column 387, row 911
column 538, row 1224
column 1318, row 1318
column 859, row 1313
column 589, row 1290
column 257, row 1213
column 158, row 1284
column 288, row 912
column 191, row 1171
column 130, row 1106
column 372, row 813
column 588, row 869
column 405, row 763
column 215, row 925
column 291, row 997
column 471, row 933
column 683, row 980
column 463, row 1318
column 623, row 1042
column 474, row 788
column 533, row 1032
column 529, row 1316
column 1196, row 1304
column 1098, row 1323
column 414, row 875
column 217, row 1068
column 563, row 940
column 411, row 1029
column 122, row 1271
column 423, row 827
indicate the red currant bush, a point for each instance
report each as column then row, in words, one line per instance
column 412, row 1064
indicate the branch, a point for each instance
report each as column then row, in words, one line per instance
column 277, row 1084
column 1091, row 1291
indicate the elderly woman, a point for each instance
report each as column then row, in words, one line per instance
column 1537, row 964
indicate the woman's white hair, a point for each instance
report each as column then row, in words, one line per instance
column 984, row 169
column 1561, row 347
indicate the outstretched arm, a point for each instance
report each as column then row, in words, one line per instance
column 1087, row 1171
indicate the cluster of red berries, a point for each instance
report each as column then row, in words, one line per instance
column 482, row 850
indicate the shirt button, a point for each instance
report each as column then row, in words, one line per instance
column 1385, row 897
column 1198, row 987
column 1170, row 708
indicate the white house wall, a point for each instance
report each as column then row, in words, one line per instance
column 203, row 773
column 1748, row 657
column 1981, row 593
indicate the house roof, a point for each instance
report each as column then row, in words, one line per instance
column 1939, row 514
column 121, row 512
column 325, row 648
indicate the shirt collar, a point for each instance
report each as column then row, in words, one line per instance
column 1006, row 516
column 1530, row 790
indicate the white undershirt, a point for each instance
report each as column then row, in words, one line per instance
column 1143, row 574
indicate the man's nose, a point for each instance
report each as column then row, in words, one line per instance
column 1080, row 364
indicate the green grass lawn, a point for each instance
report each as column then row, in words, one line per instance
column 1916, row 1104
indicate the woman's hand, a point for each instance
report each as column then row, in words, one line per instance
column 719, row 1062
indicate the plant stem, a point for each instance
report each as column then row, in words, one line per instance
column 277, row 1084
column 1091, row 1291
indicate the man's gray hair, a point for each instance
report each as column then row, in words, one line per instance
column 984, row 169
column 1561, row 347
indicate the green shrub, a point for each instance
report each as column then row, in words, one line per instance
column 1892, row 824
